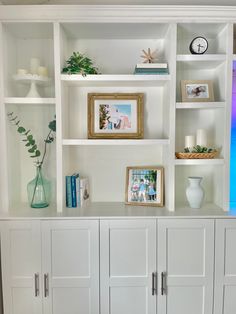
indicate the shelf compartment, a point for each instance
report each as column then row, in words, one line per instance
column 215, row 33
column 200, row 105
column 215, row 161
column 79, row 142
column 21, row 168
column 199, row 58
column 22, row 41
column 214, row 71
column 105, row 166
column 24, row 100
column 156, row 109
column 212, row 183
column 115, row 80
column 188, row 121
column 116, row 47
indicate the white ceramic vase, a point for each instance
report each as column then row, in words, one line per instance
column 194, row 192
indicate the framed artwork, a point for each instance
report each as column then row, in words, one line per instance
column 197, row 91
column 115, row 115
column 144, row 186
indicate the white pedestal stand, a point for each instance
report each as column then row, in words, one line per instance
column 33, row 80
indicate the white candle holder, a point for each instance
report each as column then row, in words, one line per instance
column 33, row 80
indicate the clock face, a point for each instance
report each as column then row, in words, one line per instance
column 198, row 45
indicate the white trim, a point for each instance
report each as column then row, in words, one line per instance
column 79, row 142
column 116, row 13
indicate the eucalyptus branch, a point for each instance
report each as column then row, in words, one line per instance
column 29, row 139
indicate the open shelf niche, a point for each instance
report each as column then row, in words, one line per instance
column 215, row 33
column 212, row 184
column 21, row 169
column 23, row 41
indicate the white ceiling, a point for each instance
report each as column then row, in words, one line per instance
column 138, row 2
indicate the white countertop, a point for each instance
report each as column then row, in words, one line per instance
column 115, row 211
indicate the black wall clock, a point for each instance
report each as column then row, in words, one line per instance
column 198, row 45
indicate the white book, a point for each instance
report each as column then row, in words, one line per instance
column 151, row 65
column 84, row 192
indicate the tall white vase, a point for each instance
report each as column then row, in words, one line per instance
column 194, row 192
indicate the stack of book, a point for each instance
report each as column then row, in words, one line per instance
column 77, row 191
column 151, row 68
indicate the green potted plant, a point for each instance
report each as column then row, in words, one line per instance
column 79, row 64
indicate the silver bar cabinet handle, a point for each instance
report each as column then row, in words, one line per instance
column 36, row 284
column 162, row 283
column 46, row 287
column 154, row 288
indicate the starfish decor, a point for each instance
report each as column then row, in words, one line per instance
column 149, row 57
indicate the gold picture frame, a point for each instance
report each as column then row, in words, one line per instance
column 145, row 186
column 197, row 91
column 115, row 115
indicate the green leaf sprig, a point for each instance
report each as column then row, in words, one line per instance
column 30, row 142
column 199, row 149
column 79, row 64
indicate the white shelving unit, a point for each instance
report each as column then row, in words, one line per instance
column 114, row 39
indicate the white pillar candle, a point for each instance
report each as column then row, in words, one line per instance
column 202, row 137
column 22, row 71
column 189, row 141
column 34, row 64
column 43, row 71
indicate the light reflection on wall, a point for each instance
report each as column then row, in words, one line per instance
column 233, row 146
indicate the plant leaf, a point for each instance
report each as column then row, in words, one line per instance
column 21, row 129
column 52, row 125
column 32, row 149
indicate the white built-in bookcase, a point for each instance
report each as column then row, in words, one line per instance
column 113, row 37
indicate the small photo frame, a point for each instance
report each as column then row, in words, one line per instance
column 197, row 91
column 115, row 116
column 144, row 186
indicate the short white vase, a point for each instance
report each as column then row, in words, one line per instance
column 194, row 192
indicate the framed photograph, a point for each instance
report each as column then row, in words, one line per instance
column 115, row 115
column 197, row 91
column 144, row 186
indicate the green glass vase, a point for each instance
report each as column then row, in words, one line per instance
column 39, row 190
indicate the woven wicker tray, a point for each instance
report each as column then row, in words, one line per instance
column 196, row 155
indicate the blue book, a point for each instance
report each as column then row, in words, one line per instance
column 68, row 192
column 73, row 190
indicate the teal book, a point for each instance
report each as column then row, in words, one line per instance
column 68, row 192
column 73, row 190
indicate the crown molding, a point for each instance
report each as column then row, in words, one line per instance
column 117, row 13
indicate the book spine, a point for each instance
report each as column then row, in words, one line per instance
column 78, row 191
column 152, row 71
column 68, row 192
column 73, row 191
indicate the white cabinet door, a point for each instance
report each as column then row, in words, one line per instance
column 186, row 259
column 127, row 261
column 225, row 267
column 21, row 267
column 70, row 266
